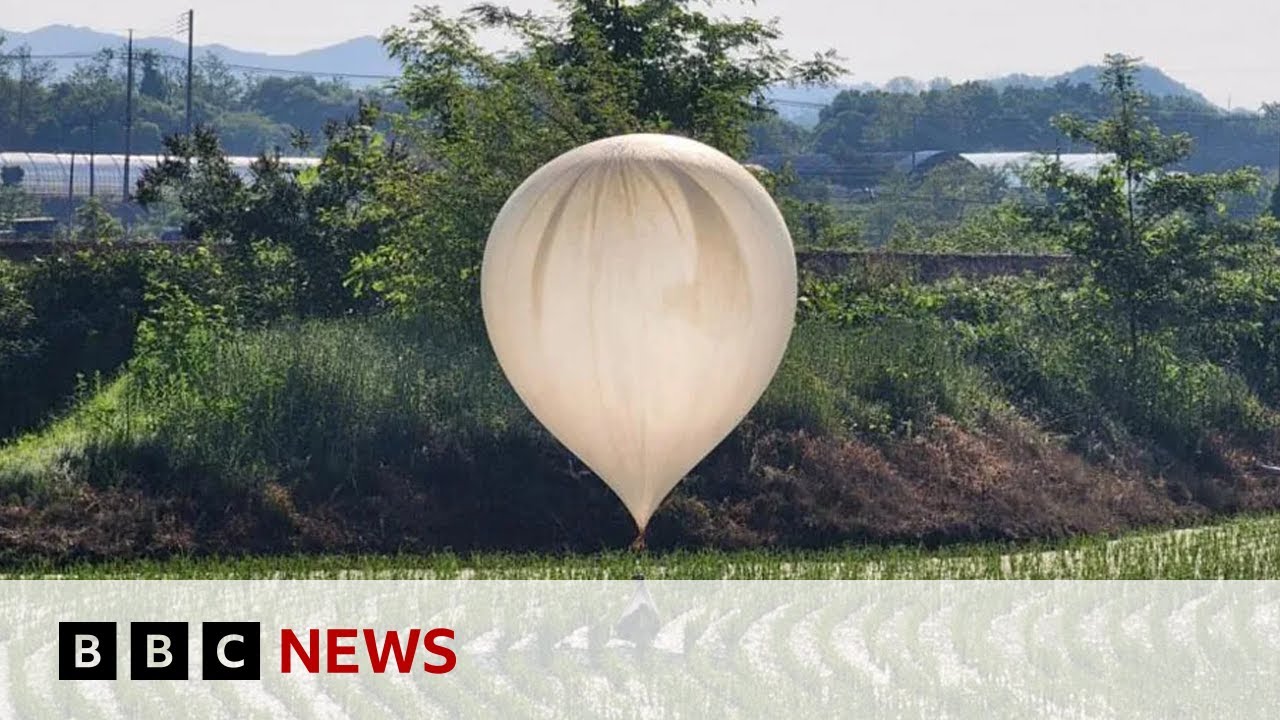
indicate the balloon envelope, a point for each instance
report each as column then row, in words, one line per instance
column 639, row 292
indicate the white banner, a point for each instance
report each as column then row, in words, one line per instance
column 656, row 649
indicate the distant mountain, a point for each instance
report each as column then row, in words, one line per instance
column 360, row 56
column 365, row 56
column 1152, row 80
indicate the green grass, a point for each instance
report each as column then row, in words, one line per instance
column 39, row 461
column 371, row 434
column 1238, row 549
column 330, row 395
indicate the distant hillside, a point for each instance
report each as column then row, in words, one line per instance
column 802, row 105
column 359, row 56
column 366, row 56
column 1153, row 81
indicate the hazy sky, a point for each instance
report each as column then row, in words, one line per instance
column 1227, row 49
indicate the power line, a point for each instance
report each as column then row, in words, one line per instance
column 54, row 56
column 259, row 69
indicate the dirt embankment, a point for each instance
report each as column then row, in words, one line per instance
column 756, row 490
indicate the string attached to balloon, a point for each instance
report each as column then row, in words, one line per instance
column 639, row 293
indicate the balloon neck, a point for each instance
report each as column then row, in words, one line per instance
column 638, row 544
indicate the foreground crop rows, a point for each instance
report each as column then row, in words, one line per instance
column 1247, row 548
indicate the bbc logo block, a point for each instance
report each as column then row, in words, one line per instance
column 160, row 651
column 86, row 651
column 231, row 650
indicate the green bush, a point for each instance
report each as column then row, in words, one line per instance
column 61, row 319
column 1055, row 353
column 885, row 378
column 319, row 405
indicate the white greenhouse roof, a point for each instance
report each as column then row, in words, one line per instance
column 1013, row 163
column 50, row 174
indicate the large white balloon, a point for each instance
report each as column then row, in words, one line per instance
column 639, row 292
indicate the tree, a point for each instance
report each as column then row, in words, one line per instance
column 319, row 217
column 483, row 121
column 979, row 116
column 15, row 202
column 216, row 86
column 1152, row 239
column 196, row 175
column 300, row 102
column 154, row 84
column 24, row 97
column 94, row 224
column 91, row 97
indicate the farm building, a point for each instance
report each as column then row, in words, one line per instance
column 57, row 175
column 1013, row 165
column 869, row 170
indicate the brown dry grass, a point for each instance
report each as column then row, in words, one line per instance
column 1009, row 482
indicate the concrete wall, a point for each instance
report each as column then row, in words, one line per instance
column 925, row 267
column 928, row 267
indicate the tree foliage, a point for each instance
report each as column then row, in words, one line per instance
column 978, row 117
column 84, row 109
column 480, row 122
column 1155, row 241
column 321, row 217
column 94, row 223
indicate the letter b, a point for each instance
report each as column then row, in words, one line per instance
column 86, row 651
column 158, row 651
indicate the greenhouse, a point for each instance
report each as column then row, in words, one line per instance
column 50, row 175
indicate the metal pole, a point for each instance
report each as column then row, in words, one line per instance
column 93, row 126
column 22, row 97
column 191, row 41
column 128, row 116
column 915, row 134
column 71, row 198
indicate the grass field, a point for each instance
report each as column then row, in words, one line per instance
column 1243, row 548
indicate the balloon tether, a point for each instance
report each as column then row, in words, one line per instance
column 638, row 545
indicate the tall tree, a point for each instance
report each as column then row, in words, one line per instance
column 1152, row 239
column 154, row 84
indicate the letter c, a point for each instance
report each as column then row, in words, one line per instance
column 222, row 651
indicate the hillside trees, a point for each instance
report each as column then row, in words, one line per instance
column 84, row 109
column 975, row 117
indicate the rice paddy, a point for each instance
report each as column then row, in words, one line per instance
column 1237, row 549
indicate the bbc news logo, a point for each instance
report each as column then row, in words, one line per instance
column 233, row 651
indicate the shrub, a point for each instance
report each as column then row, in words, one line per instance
column 65, row 317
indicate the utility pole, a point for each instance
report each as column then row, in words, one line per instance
column 71, row 198
column 128, row 115
column 19, row 129
column 915, row 139
column 1275, row 119
column 93, row 126
column 191, row 46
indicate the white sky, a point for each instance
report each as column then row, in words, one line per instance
column 1227, row 49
